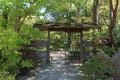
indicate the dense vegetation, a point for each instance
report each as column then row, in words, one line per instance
column 16, row 30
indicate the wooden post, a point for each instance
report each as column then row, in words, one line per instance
column 81, row 47
column 48, row 48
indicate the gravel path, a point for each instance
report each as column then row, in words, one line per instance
column 59, row 69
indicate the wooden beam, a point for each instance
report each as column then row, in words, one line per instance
column 48, row 48
column 69, row 29
column 65, row 28
column 81, row 47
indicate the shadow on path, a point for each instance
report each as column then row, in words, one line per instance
column 59, row 69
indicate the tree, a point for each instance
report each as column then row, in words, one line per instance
column 113, row 15
column 14, row 34
column 16, row 12
column 95, row 11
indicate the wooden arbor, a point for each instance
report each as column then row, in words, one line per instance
column 66, row 28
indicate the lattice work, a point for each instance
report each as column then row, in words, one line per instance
column 73, row 47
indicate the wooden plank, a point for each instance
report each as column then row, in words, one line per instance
column 48, row 48
column 41, row 44
column 81, row 47
column 69, row 29
column 37, row 44
column 64, row 27
column 41, row 54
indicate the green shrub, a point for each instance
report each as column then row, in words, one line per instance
column 98, row 67
column 117, row 36
column 10, row 57
column 14, row 33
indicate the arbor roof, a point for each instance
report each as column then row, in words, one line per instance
column 55, row 26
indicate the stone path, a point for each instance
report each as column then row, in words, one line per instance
column 59, row 69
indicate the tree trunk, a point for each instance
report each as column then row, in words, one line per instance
column 113, row 14
column 86, row 9
column 111, row 37
column 95, row 12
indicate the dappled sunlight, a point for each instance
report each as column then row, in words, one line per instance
column 59, row 69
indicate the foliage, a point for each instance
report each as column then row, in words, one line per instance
column 102, row 42
column 98, row 67
column 11, row 60
column 16, row 30
column 14, row 33
column 57, row 40
column 117, row 35
column 29, row 33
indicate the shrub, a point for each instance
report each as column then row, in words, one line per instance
column 10, row 57
column 98, row 67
